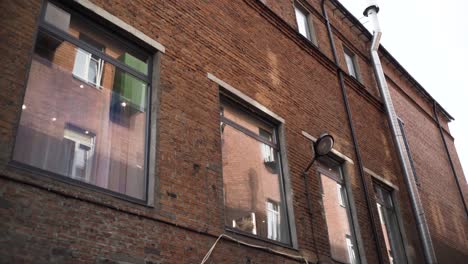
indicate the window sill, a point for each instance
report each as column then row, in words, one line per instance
column 265, row 240
column 73, row 184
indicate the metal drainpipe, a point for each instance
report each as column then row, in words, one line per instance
column 353, row 135
column 424, row 234
column 449, row 158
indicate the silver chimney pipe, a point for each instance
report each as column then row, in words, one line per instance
column 429, row 254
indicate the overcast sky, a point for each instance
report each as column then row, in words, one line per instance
column 430, row 40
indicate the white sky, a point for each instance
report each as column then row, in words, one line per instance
column 430, row 39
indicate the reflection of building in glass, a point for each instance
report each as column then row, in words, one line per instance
column 82, row 155
column 252, row 179
column 111, row 150
column 73, row 129
column 337, row 214
column 389, row 223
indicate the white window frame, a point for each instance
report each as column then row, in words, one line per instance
column 81, row 71
column 273, row 220
column 77, row 138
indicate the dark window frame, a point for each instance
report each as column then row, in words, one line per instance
column 93, row 20
column 396, row 211
column 341, row 180
column 226, row 97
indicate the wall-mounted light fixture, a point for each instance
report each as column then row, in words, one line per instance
column 322, row 147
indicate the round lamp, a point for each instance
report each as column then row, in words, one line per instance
column 324, row 144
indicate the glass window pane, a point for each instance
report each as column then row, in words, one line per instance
column 350, row 63
column 91, row 34
column 73, row 129
column 389, row 224
column 337, row 215
column 256, row 126
column 252, row 185
column 302, row 22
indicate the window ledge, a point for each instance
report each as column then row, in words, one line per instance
column 258, row 238
column 69, row 186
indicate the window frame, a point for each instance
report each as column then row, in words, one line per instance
column 116, row 30
column 88, row 58
column 254, row 110
column 376, row 183
column 310, row 29
column 352, row 56
column 343, row 180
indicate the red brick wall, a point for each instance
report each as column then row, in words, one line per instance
column 243, row 43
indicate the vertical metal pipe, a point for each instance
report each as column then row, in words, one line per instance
column 353, row 135
column 449, row 158
column 415, row 200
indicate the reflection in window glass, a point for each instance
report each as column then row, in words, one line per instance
column 351, row 64
column 70, row 128
column 76, row 26
column 389, row 224
column 253, row 188
column 82, row 142
column 337, row 214
column 302, row 22
column 88, row 67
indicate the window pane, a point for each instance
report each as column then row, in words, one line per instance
column 70, row 128
column 273, row 219
column 252, row 185
column 91, row 34
column 302, row 23
column 337, row 216
column 390, row 226
column 242, row 118
column 350, row 63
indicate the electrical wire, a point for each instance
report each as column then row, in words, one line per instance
column 208, row 254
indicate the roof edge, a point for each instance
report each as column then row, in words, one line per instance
column 392, row 59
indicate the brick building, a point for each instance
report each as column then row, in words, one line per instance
column 140, row 131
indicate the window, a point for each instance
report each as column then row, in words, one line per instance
column 337, row 214
column 389, row 224
column 82, row 145
column 88, row 67
column 253, row 184
column 350, row 59
column 304, row 24
column 70, row 129
column 273, row 219
column 267, row 150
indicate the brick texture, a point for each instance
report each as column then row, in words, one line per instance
column 253, row 47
